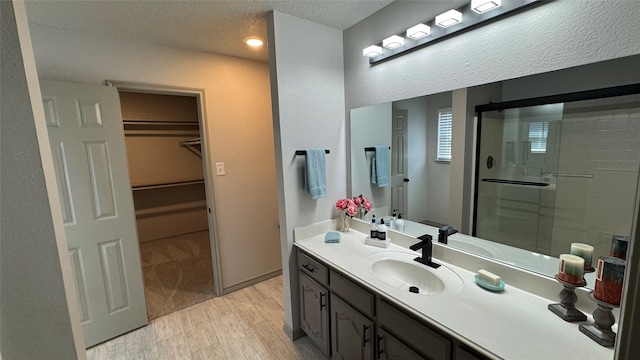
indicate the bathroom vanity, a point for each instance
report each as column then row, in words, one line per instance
column 355, row 304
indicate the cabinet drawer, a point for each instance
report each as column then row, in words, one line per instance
column 313, row 268
column 390, row 348
column 463, row 354
column 358, row 297
column 414, row 332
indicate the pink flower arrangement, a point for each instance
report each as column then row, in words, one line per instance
column 363, row 203
column 351, row 207
column 348, row 206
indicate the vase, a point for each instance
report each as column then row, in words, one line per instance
column 345, row 223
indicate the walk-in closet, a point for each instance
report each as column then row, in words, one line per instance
column 162, row 136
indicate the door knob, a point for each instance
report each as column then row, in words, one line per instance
column 406, row 179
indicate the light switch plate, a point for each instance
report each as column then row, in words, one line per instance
column 220, row 169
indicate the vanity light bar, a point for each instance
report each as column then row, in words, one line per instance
column 482, row 6
column 476, row 13
column 393, row 41
column 419, row 31
column 372, row 51
column 449, row 18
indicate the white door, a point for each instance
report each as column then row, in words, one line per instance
column 399, row 175
column 87, row 142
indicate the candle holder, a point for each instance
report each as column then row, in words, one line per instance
column 600, row 331
column 566, row 309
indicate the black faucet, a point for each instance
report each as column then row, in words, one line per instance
column 444, row 232
column 426, row 245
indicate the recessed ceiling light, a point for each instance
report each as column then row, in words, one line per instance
column 253, row 41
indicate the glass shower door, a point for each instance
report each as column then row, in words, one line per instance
column 518, row 157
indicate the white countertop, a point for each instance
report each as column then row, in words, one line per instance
column 512, row 324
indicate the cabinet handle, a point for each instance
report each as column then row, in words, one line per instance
column 364, row 335
column 309, row 267
column 322, row 305
column 380, row 351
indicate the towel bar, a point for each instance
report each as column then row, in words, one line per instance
column 367, row 149
column 304, row 152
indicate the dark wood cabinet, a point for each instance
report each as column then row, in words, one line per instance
column 352, row 334
column 314, row 312
column 390, row 348
column 467, row 354
column 313, row 279
column 429, row 342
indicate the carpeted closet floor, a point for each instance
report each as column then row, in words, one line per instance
column 177, row 272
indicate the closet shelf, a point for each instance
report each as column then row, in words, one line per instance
column 193, row 145
column 192, row 142
column 160, row 123
column 166, row 185
column 172, row 209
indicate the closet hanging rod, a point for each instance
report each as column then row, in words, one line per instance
column 371, row 148
column 304, row 152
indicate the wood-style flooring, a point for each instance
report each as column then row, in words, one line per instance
column 177, row 272
column 246, row 324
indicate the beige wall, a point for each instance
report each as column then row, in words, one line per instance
column 238, row 111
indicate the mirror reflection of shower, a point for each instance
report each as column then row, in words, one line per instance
column 550, row 175
column 517, row 189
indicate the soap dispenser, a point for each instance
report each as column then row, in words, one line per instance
column 399, row 223
column 374, row 228
column 382, row 230
column 394, row 217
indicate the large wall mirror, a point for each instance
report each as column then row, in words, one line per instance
column 546, row 173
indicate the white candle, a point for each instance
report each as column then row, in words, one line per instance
column 571, row 269
column 584, row 251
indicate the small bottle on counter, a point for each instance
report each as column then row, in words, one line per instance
column 382, row 230
column 374, row 228
column 399, row 223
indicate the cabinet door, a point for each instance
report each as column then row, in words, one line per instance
column 351, row 332
column 390, row 348
column 313, row 311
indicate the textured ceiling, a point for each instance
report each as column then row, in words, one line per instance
column 216, row 26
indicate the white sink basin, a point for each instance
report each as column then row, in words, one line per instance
column 400, row 271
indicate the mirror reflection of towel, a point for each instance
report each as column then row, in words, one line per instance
column 315, row 176
column 381, row 166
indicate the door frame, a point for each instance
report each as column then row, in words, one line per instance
column 200, row 96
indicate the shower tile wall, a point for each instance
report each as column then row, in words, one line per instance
column 597, row 178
